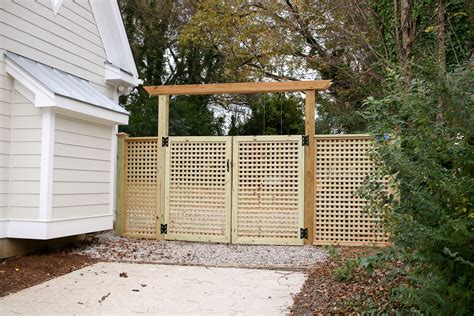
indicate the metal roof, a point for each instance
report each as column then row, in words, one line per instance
column 64, row 84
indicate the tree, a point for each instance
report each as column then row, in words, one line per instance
column 153, row 29
column 430, row 213
column 352, row 42
column 271, row 115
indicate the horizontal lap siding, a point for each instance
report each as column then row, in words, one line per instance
column 81, row 176
column 25, row 155
column 68, row 41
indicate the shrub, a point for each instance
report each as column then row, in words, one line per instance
column 430, row 210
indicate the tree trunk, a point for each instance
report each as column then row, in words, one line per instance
column 441, row 36
column 407, row 31
column 441, row 53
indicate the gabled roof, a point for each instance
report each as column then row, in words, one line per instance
column 112, row 31
column 64, row 84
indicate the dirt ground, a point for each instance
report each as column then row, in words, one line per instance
column 324, row 293
column 22, row 272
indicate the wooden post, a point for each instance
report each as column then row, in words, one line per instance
column 309, row 165
column 120, row 184
column 163, row 118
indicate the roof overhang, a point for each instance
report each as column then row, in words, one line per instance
column 42, row 96
column 120, row 68
column 116, row 76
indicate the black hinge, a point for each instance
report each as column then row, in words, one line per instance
column 305, row 140
column 165, row 141
column 164, row 228
column 303, row 233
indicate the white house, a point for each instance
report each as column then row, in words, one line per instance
column 63, row 65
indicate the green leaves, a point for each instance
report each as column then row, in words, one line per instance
column 431, row 220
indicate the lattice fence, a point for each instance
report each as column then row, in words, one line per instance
column 268, row 190
column 198, row 188
column 140, row 193
column 342, row 164
column 249, row 189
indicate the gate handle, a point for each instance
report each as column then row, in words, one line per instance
column 228, row 165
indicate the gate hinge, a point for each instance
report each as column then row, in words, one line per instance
column 165, row 141
column 164, row 229
column 303, row 233
column 305, row 140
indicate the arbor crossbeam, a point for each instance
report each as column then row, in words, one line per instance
column 239, row 87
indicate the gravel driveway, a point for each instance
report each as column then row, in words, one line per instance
column 106, row 246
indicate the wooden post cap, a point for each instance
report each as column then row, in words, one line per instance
column 121, row 134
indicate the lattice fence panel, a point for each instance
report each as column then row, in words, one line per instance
column 342, row 164
column 198, row 191
column 140, row 187
column 268, row 190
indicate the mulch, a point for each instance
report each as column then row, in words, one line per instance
column 323, row 294
column 21, row 272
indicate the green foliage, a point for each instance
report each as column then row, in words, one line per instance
column 430, row 213
column 191, row 116
column 152, row 28
column 333, row 253
column 344, row 272
column 272, row 115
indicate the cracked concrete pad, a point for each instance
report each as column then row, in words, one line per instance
column 159, row 289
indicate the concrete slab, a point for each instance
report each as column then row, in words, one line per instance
column 159, row 289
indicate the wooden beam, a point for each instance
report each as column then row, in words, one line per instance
column 120, row 184
column 244, row 87
column 163, row 119
column 309, row 166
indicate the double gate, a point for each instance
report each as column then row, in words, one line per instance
column 234, row 189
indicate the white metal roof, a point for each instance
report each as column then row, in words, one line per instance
column 64, row 84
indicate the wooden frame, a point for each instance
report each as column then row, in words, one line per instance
column 236, row 88
column 308, row 87
column 226, row 237
column 236, row 238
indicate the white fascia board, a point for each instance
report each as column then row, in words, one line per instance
column 88, row 111
column 112, row 32
column 31, row 88
column 117, row 77
column 42, row 97
column 43, row 230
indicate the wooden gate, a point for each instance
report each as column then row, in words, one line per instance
column 198, row 189
column 267, row 190
column 245, row 190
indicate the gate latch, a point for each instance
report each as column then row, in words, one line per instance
column 165, row 141
column 164, row 228
column 305, row 140
column 303, row 233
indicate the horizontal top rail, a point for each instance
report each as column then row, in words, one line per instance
column 239, row 87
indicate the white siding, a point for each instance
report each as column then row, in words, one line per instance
column 81, row 173
column 25, row 157
column 5, row 134
column 69, row 41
